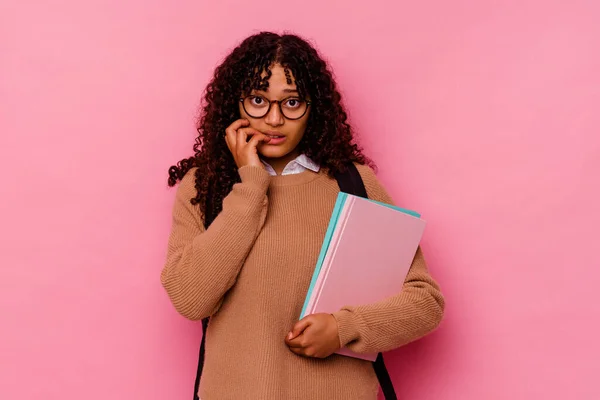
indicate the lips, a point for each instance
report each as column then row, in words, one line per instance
column 276, row 138
column 274, row 135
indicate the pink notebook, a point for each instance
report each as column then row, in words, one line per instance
column 367, row 260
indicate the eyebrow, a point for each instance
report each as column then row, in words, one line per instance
column 284, row 91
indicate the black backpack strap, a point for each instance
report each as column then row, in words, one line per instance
column 201, row 358
column 208, row 219
column 351, row 182
column 387, row 387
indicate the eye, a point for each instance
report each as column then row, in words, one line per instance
column 292, row 103
column 257, row 101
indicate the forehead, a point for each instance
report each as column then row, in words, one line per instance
column 280, row 80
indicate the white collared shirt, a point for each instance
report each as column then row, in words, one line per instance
column 296, row 166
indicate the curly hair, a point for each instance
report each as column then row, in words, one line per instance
column 328, row 138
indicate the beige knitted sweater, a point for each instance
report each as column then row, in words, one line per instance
column 250, row 272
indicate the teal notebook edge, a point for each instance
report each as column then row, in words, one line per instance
column 404, row 210
column 339, row 205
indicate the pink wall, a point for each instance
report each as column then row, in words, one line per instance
column 483, row 115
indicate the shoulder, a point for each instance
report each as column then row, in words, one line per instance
column 375, row 189
column 367, row 173
column 183, row 209
column 187, row 186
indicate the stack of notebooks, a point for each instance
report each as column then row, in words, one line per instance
column 367, row 252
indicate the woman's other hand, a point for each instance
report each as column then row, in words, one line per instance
column 315, row 335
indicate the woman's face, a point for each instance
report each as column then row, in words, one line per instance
column 286, row 133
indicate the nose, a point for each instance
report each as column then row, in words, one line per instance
column 274, row 117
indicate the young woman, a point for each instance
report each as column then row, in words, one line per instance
column 272, row 133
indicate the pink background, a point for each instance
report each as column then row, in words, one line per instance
column 483, row 115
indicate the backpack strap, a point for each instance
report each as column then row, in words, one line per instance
column 208, row 219
column 349, row 182
column 387, row 386
column 201, row 358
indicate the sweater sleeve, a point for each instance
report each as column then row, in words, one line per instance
column 203, row 264
column 411, row 314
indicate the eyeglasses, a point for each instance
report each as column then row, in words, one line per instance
column 258, row 106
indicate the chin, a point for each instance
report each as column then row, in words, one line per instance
column 273, row 152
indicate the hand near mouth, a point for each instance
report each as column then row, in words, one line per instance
column 243, row 141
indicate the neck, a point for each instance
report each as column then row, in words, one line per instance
column 279, row 164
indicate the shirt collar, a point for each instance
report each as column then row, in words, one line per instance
column 307, row 163
column 302, row 160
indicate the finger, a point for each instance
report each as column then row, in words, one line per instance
column 256, row 139
column 297, row 351
column 300, row 326
column 230, row 138
column 305, row 352
column 240, row 138
column 310, row 352
column 238, row 124
column 228, row 141
column 250, row 132
column 243, row 135
column 232, row 129
column 296, row 343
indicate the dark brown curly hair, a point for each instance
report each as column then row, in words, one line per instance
column 328, row 139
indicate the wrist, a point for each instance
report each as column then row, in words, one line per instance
column 254, row 175
column 337, row 330
column 346, row 327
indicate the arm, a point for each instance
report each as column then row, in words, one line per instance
column 203, row 264
column 414, row 312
